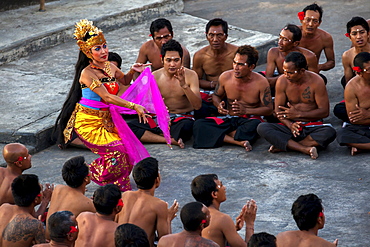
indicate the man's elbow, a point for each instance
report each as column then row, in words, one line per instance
column 268, row 112
column 198, row 104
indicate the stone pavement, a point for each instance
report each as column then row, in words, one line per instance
column 42, row 79
column 44, row 76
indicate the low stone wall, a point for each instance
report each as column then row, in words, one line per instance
column 15, row 4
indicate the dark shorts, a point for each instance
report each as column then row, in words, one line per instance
column 279, row 135
column 209, row 134
column 182, row 128
column 353, row 133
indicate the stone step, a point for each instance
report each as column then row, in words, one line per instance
column 29, row 31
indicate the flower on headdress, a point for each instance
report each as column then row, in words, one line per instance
column 301, row 15
column 347, row 35
column 357, row 69
column 91, row 33
column 150, row 35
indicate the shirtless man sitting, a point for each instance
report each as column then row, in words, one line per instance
column 17, row 160
column 71, row 197
column 161, row 32
column 18, row 226
column 97, row 229
column 358, row 33
column 63, row 230
column 301, row 102
column 248, row 98
column 210, row 61
column 217, row 57
column 262, row 239
column 289, row 39
column 356, row 94
column 194, row 217
column 210, row 191
column 308, row 213
column 314, row 38
column 179, row 88
column 141, row 208
column 130, row 235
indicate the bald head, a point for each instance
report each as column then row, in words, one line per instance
column 13, row 151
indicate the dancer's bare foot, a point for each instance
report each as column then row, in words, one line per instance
column 354, row 151
column 313, row 153
column 247, row 146
column 180, row 143
column 273, row 149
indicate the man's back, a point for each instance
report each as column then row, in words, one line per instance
column 19, row 228
column 70, row 199
column 95, row 231
column 222, row 228
column 185, row 239
column 145, row 211
column 6, row 179
column 301, row 239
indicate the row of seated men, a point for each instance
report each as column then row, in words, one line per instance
column 133, row 218
column 241, row 102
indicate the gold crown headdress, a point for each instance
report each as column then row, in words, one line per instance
column 84, row 27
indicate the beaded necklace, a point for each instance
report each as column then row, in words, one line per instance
column 106, row 71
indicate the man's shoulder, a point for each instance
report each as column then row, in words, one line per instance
column 349, row 53
column 158, row 74
column 7, row 208
column 324, row 34
column 24, row 222
column 301, row 239
column 208, row 243
column 232, row 47
column 257, row 77
column 148, row 45
column 273, row 52
column 216, row 214
column 158, row 71
column 23, row 227
column 306, row 52
column 3, row 171
column 190, row 72
column 86, row 215
column 202, row 50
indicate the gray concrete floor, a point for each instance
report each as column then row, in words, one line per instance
column 273, row 180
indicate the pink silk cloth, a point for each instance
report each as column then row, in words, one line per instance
column 144, row 91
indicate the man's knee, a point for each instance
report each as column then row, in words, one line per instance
column 263, row 128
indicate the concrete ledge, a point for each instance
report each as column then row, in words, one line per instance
column 50, row 38
column 44, row 88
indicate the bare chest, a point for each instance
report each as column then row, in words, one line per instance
column 315, row 45
column 303, row 94
column 214, row 66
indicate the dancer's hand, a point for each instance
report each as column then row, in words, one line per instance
column 142, row 113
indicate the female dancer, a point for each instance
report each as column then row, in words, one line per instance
column 90, row 111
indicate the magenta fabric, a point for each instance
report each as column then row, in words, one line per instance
column 134, row 148
column 144, row 91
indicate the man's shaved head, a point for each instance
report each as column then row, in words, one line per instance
column 13, row 151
